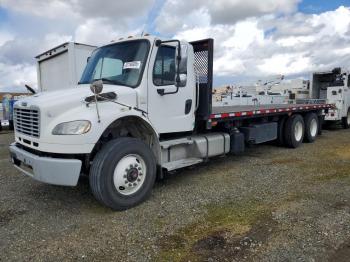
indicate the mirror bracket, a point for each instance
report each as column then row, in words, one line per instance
column 160, row 91
column 158, row 42
column 96, row 88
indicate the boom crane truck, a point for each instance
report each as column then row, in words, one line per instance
column 143, row 106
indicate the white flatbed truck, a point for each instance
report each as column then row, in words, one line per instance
column 143, row 107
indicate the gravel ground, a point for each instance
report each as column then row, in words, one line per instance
column 271, row 204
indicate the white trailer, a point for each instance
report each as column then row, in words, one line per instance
column 333, row 87
column 61, row 67
column 143, row 107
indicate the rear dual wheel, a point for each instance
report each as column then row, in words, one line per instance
column 281, row 131
column 311, row 127
column 297, row 129
column 346, row 120
column 294, row 131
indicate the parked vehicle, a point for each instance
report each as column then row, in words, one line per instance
column 143, row 107
column 275, row 91
column 334, row 87
column 61, row 67
column 7, row 112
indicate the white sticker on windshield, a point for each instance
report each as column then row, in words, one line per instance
column 132, row 65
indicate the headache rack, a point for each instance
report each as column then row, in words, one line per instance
column 203, row 66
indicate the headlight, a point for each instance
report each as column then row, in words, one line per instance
column 72, row 128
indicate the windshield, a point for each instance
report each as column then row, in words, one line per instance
column 119, row 64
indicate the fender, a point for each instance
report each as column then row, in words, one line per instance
column 140, row 121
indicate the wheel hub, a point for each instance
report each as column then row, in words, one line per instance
column 298, row 131
column 132, row 175
column 313, row 128
column 129, row 174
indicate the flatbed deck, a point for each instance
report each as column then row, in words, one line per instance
column 220, row 112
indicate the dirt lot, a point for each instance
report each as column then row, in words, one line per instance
column 272, row 204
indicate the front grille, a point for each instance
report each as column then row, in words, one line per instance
column 27, row 121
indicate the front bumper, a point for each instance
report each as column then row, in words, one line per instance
column 333, row 115
column 56, row 171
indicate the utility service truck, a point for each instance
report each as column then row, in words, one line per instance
column 143, row 106
column 277, row 91
column 334, row 87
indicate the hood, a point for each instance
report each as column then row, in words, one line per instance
column 73, row 97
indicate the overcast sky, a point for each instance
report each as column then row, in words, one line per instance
column 253, row 38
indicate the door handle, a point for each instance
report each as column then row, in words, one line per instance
column 188, row 105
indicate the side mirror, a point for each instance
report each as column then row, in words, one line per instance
column 87, row 59
column 183, row 60
column 182, row 70
column 96, row 87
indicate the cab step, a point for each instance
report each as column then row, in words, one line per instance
column 175, row 142
column 170, row 166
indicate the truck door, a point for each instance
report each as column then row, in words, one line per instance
column 170, row 109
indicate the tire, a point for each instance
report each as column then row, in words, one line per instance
column 294, row 131
column 346, row 120
column 123, row 173
column 11, row 126
column 321, row 124
column 280, row 131
column 311, row 127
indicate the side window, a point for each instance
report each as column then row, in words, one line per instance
column 108, row 68
column 348, row 80
column 164, row 66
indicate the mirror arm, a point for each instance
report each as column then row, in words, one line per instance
column 162, row 92
column 97, row 110
column 96, row 88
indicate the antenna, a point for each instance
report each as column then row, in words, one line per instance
column 143, row 29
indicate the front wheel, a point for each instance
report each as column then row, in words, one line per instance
column 346, row 120
column 123, row 173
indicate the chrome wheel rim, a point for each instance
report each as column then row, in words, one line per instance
column 129, row 174
column 298, row 131
column 313, row 127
